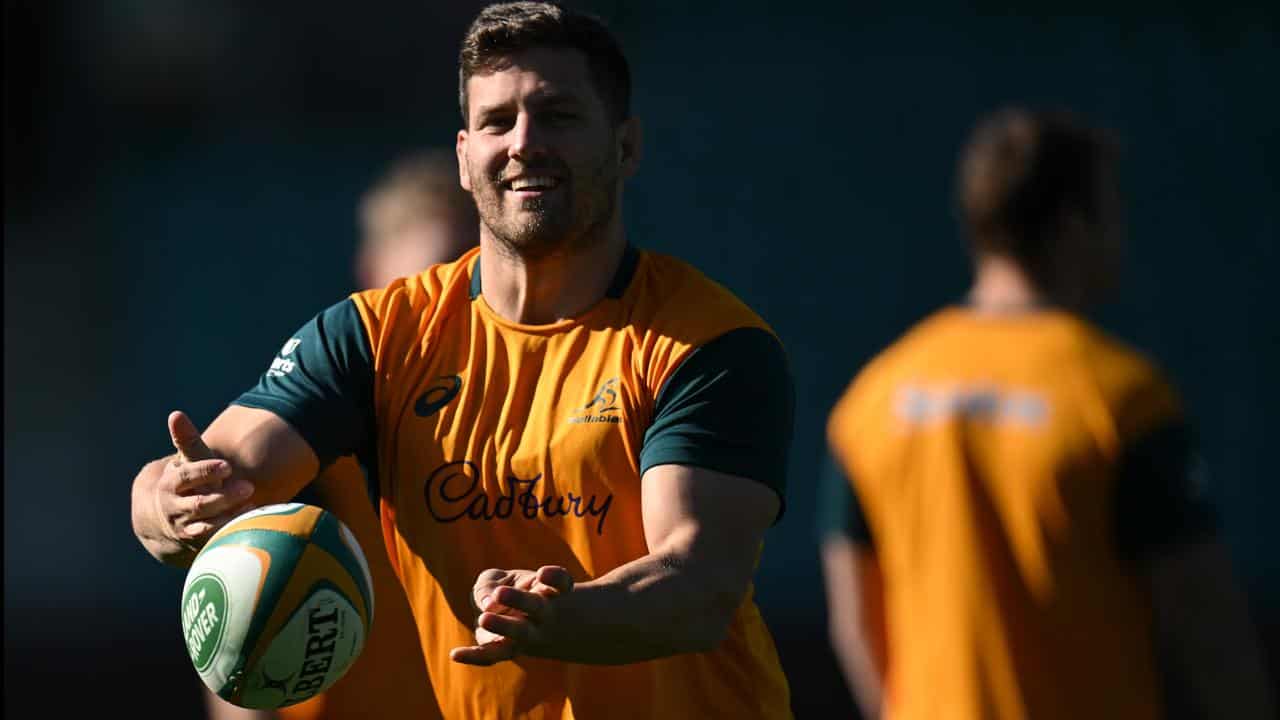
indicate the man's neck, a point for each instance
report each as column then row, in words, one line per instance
column 1001, row 286
column 538, row 292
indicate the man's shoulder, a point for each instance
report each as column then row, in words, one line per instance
column 1134, row 388
column 919, row 343
column 669, row 296
column 414, row 298
column 673, row 312
column 1117, row 356
column 875, row 381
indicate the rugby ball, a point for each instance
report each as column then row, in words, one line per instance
column 277, row 606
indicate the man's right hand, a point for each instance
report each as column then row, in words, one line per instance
column 182, row 500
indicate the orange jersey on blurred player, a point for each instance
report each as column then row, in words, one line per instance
column 1021, row 520
column 1003, row 466
column 506, row 444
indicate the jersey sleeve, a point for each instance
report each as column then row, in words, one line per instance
column 728, row 407
column 321, row 383
column 839, row 514
column 1161, row 501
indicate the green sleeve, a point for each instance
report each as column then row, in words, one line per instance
column 839, row 513
column 729, row 407
column 321, row 383
column 1161, row 500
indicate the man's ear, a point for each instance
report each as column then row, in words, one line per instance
column 460, row 147
column 630, row 143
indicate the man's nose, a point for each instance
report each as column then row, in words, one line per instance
column 526, row 138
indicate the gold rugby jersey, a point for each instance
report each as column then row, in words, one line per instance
column 498, row 444
column 1012, row 474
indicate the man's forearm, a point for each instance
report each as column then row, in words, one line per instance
column 856, row 619
column 704, row 531
column 659, row 605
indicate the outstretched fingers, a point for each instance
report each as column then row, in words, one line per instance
column 488, row 582
column 553, row 578
column 510, row 627
column 199, row 474
column 514, row 605
column 214, row 501
column 202, row 529
column 532, row 604
column 484, row 655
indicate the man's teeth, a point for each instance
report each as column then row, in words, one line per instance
column 533, row 183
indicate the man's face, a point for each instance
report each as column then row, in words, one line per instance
column 540, row 154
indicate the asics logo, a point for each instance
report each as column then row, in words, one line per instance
column 444, row 389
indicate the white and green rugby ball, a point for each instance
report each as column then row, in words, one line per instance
column 277, row 606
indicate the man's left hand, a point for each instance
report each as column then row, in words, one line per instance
column 516, row 609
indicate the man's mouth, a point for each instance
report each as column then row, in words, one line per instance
column 531, row 184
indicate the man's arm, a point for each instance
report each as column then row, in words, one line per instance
column 713, row 472
column 314, row 404
column 855, row 618
column 1167, row 529
column 246, row 457
column 1208, row 648
column 704, row 530
column 854, row 585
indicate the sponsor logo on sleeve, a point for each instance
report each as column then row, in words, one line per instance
column 282, row 365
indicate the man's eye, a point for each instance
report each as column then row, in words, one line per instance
column 496, row 122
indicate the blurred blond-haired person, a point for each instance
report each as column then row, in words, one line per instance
column 414, row 216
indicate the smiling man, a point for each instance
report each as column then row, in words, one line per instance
column 576, row 445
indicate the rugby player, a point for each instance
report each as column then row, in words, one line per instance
column 576, row 445
column 1023, row 532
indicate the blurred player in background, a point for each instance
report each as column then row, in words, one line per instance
column 415, row 216
column 578, row 445
column 1026, row 535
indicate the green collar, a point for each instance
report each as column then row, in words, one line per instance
column 618, row 286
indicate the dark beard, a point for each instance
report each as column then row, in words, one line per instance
column 552, row 230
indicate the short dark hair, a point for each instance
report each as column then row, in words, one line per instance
column 504, row 29
column 1021, row 170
